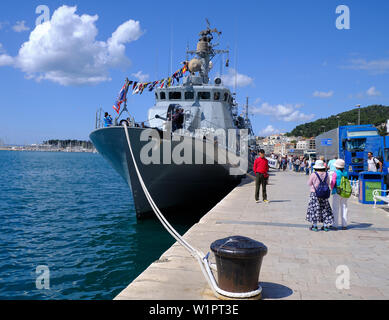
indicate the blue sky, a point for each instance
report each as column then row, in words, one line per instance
column 295, row 65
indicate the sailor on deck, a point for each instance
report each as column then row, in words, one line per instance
column 107, row 120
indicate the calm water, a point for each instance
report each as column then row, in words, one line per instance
column 74, row 214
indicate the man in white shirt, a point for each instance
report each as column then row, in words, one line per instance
column 372, row 163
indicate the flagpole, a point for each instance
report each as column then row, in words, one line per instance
column 125, row 106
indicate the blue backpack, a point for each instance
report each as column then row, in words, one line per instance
column 323, row 190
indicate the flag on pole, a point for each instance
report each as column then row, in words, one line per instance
column 122, row 97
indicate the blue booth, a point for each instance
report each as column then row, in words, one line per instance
column 368, row 182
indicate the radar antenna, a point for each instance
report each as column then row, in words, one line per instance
column 205, row 51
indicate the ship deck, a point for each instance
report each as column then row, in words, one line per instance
column 300, row 264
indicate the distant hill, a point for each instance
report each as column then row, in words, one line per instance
column 375, row 114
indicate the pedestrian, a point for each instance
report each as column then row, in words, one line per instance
column 283, row 163
column 307, row 164
column 331, row 167
column 312, row 165
column 339, row 203
column 319, row 209
column 324, row 161
column 373, row 164
column 302, row 166
column 261, row 169
column 297, row 164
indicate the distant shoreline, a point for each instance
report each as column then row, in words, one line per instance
column 30, row 149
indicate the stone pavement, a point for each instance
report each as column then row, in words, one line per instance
column 300, row 264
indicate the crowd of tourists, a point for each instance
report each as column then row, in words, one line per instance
column 326, row 181
column 294, row 163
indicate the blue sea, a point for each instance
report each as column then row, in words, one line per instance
column 74, row 215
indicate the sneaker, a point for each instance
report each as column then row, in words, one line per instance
column 257, row 201
column 266, row 201
column 314, row 229
column 325, row 229
column 344, row 228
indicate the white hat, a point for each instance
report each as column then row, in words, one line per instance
column 319, row 164
column 340, row 164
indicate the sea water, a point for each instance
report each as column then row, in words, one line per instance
column 74, row 215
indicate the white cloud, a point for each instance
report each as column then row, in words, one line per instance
column 323, row 95
column 287, row 112
column 380, row 66
column 20, row 26
column 269, row 130
column 64, row 50
column 141, row 76
column 241, row 79
column 5, row 60
column 373, row 92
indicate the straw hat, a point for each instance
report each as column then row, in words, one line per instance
column 319, row 165
column 340, row 164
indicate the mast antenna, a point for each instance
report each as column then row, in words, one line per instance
column 171, row 49
column 236, row 71
column 247, row 108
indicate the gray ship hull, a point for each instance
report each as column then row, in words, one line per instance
column 171, row 186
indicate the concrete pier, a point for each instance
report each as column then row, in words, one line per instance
column 300, row 264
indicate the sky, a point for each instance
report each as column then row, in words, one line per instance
column 297, row 61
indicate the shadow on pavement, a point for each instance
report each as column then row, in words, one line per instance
column 359, row 226
column 274, row 291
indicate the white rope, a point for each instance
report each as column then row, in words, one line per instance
column 198, row 255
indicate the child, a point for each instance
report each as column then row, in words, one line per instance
column 319, row 210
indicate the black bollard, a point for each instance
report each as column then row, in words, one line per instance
column 238, row 261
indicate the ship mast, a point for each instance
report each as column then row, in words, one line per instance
column 205, row 51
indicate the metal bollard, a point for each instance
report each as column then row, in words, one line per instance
column 239, row 261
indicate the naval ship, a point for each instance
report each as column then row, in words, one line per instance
column 208, row 107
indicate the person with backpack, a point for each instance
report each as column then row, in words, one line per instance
column 319, row 208
column 373, row 164
column 341, row 191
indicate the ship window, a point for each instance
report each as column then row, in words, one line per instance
column 226, row 96
column 204, row 95
column 189, row 95
column 163, row 95
column 216, row 96
column 175, row 95
column 156, row 96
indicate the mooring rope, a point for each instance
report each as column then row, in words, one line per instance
column 198, row 255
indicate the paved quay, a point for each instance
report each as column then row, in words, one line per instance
column 300, row 264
